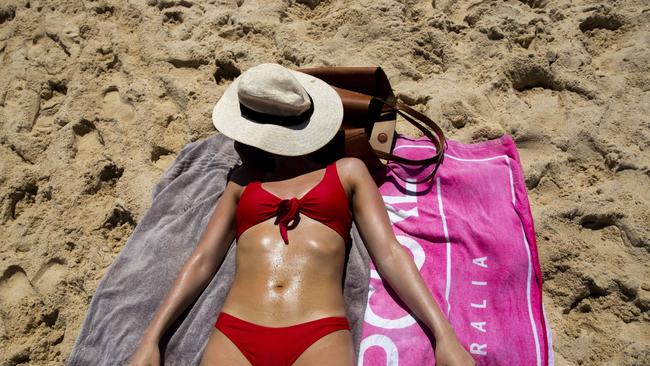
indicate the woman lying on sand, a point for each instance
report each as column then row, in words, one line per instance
column 291, row 211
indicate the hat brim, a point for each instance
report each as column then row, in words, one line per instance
column 295, row 140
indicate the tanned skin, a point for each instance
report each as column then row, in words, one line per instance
column 279, row 285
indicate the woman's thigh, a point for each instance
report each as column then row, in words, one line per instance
column 335, row 348
column 221, row 351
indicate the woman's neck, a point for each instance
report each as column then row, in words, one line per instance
column 286, row 167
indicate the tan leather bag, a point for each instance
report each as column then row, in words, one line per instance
column 369, row 118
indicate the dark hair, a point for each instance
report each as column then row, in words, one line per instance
column 252, row 156
column 255, row 157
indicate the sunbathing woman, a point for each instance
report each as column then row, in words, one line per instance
column 291, row 212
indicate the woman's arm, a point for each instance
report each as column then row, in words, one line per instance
column 200, row 267
column 395, row 265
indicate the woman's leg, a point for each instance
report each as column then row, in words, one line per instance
column 221, row 351
column 336, row 348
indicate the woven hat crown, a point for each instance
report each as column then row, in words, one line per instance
column 272, row 89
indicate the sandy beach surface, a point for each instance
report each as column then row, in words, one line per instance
column 98, row 97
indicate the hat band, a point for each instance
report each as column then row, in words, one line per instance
column 274, row 119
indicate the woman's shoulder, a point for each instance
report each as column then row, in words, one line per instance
column 350, row 165
column 350, row 169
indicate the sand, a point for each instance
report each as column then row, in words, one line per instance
column 98, row 97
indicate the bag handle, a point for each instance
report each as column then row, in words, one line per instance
column 418, row 120
column 368, row 98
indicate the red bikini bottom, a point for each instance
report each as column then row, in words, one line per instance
column 276, row 346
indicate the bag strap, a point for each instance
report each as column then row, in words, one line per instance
column 418, row 120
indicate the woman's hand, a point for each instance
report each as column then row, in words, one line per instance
column 147, row 354
column 449, row 351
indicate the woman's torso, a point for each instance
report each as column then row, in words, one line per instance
column 278, row 284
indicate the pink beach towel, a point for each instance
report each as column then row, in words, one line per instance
column 471, row 234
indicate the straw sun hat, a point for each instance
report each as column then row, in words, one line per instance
column 282, row 111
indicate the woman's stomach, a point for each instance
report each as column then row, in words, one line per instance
column 278, row 284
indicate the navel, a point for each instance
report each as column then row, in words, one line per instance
column 278, row 286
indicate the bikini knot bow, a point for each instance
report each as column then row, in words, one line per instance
column 287, row 215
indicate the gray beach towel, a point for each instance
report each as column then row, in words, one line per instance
column 142, row 273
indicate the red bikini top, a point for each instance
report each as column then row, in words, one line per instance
column 326, row 202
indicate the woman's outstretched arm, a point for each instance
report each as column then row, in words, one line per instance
column 395, row 265
column 193, row 277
